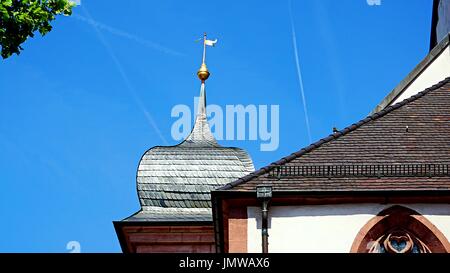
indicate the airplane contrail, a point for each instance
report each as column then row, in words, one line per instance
column 299, row 71
column 126, row 80
column 127, row 35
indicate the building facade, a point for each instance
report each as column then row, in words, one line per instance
column 379, row 185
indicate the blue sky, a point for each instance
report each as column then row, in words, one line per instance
column 80, row 106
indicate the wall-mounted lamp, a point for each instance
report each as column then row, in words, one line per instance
column 264, row 194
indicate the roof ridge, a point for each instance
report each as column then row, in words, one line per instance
column 412, row 76
column 333, row 136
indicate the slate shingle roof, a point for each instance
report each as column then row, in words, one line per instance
column 158, row 214
column 174, row 183
column 414, row 131
column 183, row 176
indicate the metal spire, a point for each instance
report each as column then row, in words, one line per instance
column 201, row 133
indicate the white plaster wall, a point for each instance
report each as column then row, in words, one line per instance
column 326, row 228
column 437, row 71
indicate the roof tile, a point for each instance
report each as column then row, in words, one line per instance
column 381, row 138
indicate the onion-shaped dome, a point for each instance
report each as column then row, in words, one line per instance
column 174, row 183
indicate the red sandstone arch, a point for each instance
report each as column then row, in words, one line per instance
column 399, row 217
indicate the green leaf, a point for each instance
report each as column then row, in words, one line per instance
column 7, row 3
column 20, row 19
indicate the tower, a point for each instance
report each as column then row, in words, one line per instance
column 174, row 185
column 440, row 22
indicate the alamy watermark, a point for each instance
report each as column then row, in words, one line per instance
column 73, row 247
column 235, row 122
column 373, row 2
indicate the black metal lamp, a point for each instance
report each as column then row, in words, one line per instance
column 264, row 194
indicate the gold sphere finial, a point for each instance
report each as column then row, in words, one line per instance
column 203, row 73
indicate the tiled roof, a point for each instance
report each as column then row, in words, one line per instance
column 414, row 131
column 183, row 176
column 174, row 183
column 158, row 214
